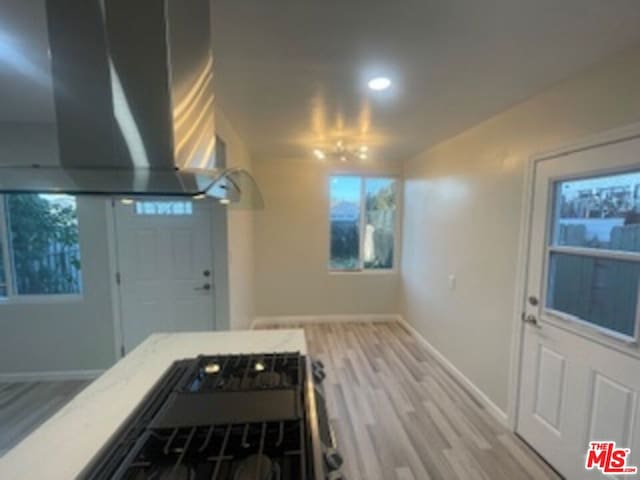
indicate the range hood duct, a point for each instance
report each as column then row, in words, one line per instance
column 134, row 100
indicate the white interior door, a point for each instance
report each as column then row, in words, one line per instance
column 580, row 373
column 165, row 263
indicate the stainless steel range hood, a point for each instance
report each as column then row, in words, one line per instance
column 134, row 99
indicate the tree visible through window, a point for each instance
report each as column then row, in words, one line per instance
column 362, row 222
column 41, row 245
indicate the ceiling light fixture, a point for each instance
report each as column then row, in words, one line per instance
column 319, row 154
column 379, row 83
column 225, row 201
column 200, row 196
column 127, row 201
column 342, row 152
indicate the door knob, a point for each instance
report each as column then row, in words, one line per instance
column 206, row 287
column 531, row 320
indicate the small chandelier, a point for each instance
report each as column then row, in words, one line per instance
column 342, row 152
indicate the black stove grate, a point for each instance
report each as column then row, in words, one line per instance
column 152, row 446
column 245, row 372
column 259, row 451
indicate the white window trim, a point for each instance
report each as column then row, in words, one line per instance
column 12, row 297
column 621, row 255
column 396, row 227
column 4, row 245
column 20, row 299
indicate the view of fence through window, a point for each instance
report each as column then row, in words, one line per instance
column 43, row 244
column 601, row 214
column 362, row 222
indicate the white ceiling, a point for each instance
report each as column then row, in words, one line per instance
column 291, row 74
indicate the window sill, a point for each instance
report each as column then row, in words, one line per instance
column 41, row 299
column 392, row 271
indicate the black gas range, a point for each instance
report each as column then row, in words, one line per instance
column 227, row 417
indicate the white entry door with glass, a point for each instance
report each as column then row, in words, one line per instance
column 580, row 369
column 165, row 267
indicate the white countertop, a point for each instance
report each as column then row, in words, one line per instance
column 64, row 444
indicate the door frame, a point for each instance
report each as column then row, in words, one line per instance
column 616, row 135
column 114, row 286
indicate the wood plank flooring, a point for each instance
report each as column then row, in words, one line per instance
column 398, row 414
column 25, row 406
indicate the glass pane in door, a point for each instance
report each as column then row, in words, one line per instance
column 599, row 291
column 598, row 212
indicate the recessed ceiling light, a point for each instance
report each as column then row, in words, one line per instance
column 319, row 154
column 199, row 196
column 364, row 148
column 343, row 159
column 127, row 201
column 379, row 83
column 225, row 201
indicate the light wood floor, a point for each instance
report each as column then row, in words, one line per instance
column 398, row 415
column 25, row 406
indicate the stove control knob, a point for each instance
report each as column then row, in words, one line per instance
column 319, row 375
column 318, row 371
column 333, row 459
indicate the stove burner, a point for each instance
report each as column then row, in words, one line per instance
column 268, row 380
column 257, row 467
column 225, row 417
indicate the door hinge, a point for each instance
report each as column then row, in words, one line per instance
column 118, row 278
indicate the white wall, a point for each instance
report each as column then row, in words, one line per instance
column 292, row 246
column 462, row 215
column 62, row 336
column 239, row 236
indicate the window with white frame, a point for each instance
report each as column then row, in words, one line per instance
column 594, row 252
column 362, row 218
column 164, row 207
column 39, row 245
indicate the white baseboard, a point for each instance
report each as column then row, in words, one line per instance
column 50, row 376
column 296, row 319
column 499, row 414
column 473, row 389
